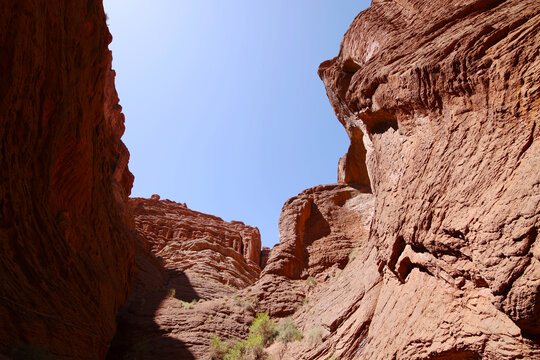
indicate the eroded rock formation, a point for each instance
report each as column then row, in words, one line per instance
column 425, row 249
column 186, row 259
column 216, row 257
column 66, row 258
column 446, row 100
column 318, row 230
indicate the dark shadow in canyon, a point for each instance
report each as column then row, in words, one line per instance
column 138, row 335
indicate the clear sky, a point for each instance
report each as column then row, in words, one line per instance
column 224, row 109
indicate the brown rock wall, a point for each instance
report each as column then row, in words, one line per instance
column 65, row 227
column 217, row 257
column 190, row 267
column 446, row 101
column 318, row 230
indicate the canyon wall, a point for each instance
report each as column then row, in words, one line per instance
column 65, row 228
column 190, row 267
column 442, row 102
column 427, row 246
column 425, row 249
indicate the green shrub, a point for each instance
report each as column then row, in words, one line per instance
column 188, row 305
column 255, row 348
column 306, row 300
column 237, row 351
column 311, row 282
column 288, row 332
column 261, row 334
column 314, row 336
column 171, row 293
column 264, row 327
column 218, row 348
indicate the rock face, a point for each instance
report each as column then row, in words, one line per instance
column 216, row 257
column 425, row 249
column 65, row 227
column 443, row 103
column 427, row 246
column 318, row 231
column 184, row 259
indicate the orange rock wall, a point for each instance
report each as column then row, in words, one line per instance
column 64, row 223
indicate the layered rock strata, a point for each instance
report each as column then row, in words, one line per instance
column 318, row 230
column 443, row 103
column 64, row 222
column 186, row 259
column 216, row 257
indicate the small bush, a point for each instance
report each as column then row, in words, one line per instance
column 311, row 282
column 237, row 352
column 218, row 348
column 171, row 293
column 306, row 300
column 188, row 305
column 353, row 254
column 264, row 327
column 314, row 336
column 255, row 348
column 288, row 332
column 261, row 333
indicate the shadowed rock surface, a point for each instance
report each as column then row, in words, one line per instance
column 66, row 258
column 185, row 259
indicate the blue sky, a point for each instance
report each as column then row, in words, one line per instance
column 224, row 109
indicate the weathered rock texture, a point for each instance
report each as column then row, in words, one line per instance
column 66, row 259
column 427, row 248
column 443, row 102
column 185, row 256
column 318, row 230
column 215, row 256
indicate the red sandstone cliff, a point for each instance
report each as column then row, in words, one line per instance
column 426, row 249
column 186, row 259
column 66, row 258
column 443, row 104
